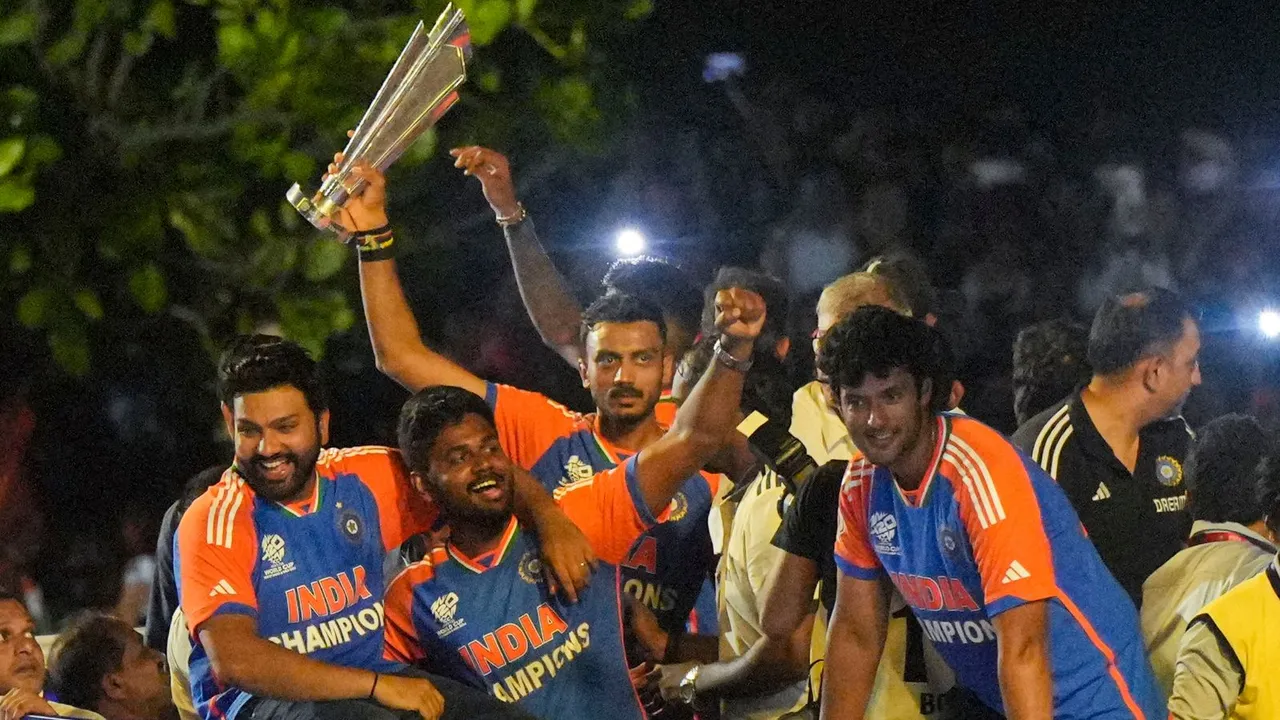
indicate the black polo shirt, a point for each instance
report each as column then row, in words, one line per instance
column 810, row 524
column 1136, row 520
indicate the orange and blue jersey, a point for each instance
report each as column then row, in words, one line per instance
column 668, row 564
column 310, row 574
column 987, row 531
column 492, row 622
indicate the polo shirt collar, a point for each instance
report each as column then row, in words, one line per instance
column 1087, row 437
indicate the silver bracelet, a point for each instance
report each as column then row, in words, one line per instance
column 730, row 361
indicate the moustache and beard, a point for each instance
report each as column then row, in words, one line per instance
column 279, row 477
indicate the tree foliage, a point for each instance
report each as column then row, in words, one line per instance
column 147, row 145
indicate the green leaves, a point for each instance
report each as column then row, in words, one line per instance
column 11, row 151
column 18, row 28
column 323, row 259
column 147, row 286
column 154, row 139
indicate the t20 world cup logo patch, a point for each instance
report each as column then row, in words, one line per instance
column 444, row 608
column 884, row 533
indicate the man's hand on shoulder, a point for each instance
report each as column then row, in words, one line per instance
column 567, row 555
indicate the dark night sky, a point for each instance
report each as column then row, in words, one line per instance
column 1165, row 60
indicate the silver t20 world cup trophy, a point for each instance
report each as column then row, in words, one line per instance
column 420, row 89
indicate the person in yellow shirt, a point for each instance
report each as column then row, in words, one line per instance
column 1226, row 666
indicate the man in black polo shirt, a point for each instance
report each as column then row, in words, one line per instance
column 1117, row 445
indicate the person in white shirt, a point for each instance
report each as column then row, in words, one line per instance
column 1229, row 542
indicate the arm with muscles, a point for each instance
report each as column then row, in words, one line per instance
column 227, row 626
column 1207, row 677
column 397, row 343
column 1026, row 683
column 710, row 414
column 551, row 306
column 781, row 656
column 243, row 659
column 855, row 642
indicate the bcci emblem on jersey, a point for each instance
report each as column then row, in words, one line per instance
column 444, row 608
column 679, row 508
column 1168, row 471
column 530, row 568
column 949, row 541
column 884, row 533
column 349, row 524
column 273, row 555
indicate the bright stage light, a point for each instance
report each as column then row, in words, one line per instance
column 1269, row 324
column 630, row 242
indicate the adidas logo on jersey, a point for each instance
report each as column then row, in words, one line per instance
column 1103, row 492
column 222, row 588
column 1015, row 573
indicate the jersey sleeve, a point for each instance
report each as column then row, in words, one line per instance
column 1001, row 515
column 217, row 548
column 610, row 510
column 854, row 554
column 401, row 642
column 528, row 422
column 402, row 511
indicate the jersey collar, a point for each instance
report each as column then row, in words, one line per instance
column 493, row 558
column 916, row 497
column 300, row 508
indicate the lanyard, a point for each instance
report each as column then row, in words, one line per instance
column 1210, row 536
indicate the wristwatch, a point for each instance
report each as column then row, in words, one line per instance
column 731, row 362
column 688, row 689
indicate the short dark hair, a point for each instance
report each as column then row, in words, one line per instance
column 1048, row 364
column 427, row 414
column 91, row 648
column 907, row 281
column 766, row 286
column 1222, row 470
column 875, row 340
column 255, row 363
column 1128, row 328
column 662, row 283
column 620, row 307
column 1268, row 487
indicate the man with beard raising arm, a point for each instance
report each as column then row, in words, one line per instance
column 624, row 365
column 280, row 563
column 479, row 611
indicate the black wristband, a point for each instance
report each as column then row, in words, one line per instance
column 371, row 231
column 376, row 247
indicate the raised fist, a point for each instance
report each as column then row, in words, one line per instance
column 740, row 316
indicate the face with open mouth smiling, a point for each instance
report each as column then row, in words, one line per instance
column 886, row 416
column 469, row 474
column 278, row 440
